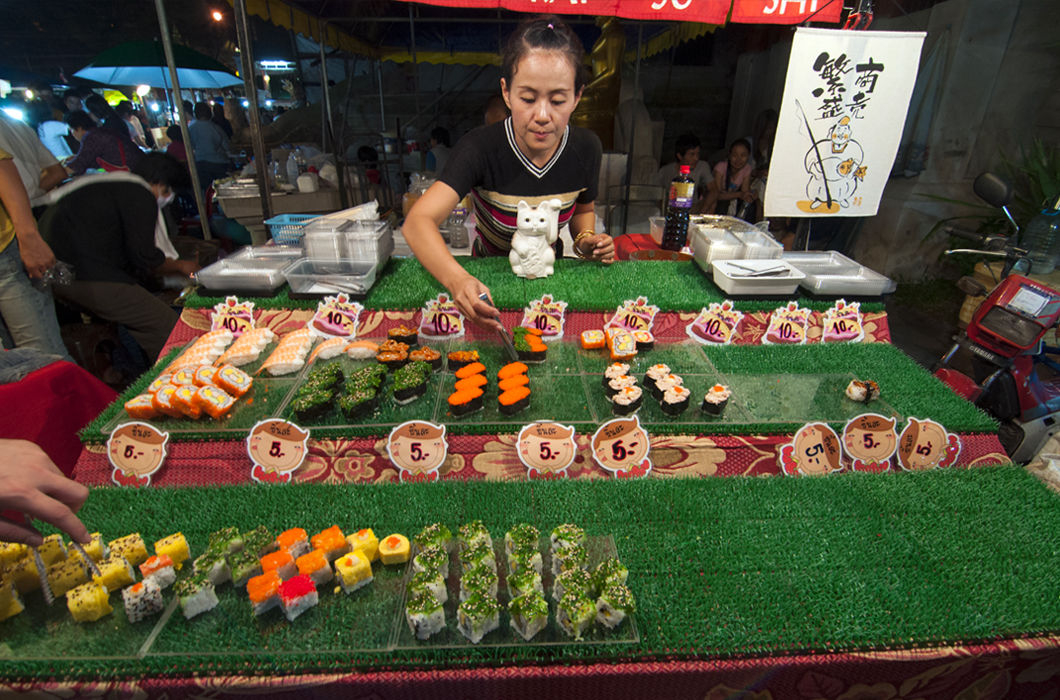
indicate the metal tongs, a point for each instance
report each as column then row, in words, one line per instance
column 506, row 339
column 754, row 272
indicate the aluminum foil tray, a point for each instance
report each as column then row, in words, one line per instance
column 830, row 273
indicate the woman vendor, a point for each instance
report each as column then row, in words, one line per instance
column 533, row 155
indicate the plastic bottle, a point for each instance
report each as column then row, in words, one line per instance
column 279, row 175
column 1043, row 239
column 682, row 191
column 292, row 167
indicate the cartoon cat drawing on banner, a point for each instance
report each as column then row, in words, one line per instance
column 835, row 165
column 537, row 228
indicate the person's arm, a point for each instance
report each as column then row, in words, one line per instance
column 596, row 246
column 37, row 257
column 423, row 236
column 30, row 483
column 183, row 268
column 86, row 154
column 51, row 176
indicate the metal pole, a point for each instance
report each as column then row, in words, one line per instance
column 633, row 126
column 328, row 125
column 246, row 56
column 167, row 46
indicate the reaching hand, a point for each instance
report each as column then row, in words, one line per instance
column 32, row 484
column 467, row 295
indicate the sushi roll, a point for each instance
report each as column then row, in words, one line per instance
column 403, row 334
column 425, row 615
column 512, row 369
column 214, row 567
column 475, row 381
column 614, row 605
column 233, row 380
column 243, row 565
column 163, row 401
column 365, row 541
column 578, row 580
column 654, row 374
column 621, row 345
column 523, row 534
column 575, row 612
column 142, row 600
column 528, row 345
column 88, row 602
column 615, row 370
column 174, row 546
column 512, row 382
column 566, row 535
column 10, row 601
column 141, row 407
column 617, row 384
column 429, row 355
column 478, row 616
column 183, row 377
column 196, row 595
column 573, row 557
column 410, row 382
column 391, row 345
column 159, row 382
column 297, row 595
column 644, row 339
column 392, row 360
column 664, row 384
column 52, row 550
column 160, row 568
column 463, row 402
column 525, row 558
column 315, row 565
column 460, row 358
column 295, row 541
column 225, row 541
column 281, row 562
column 264, row 592
column 96, row 549
column 312, row 406
column 478, row 554
column 24, row 575
column 289, row 354
column 627, row 401
column 432, row 558
column 862, row 392
column 331, row 542
column 184, row 401
column 324, row 378
column 609, row 571
column 473, row 532
column 204, row 375
column 481, row 580
column 528, row 614
column 525, row 581
column 259, row 541
column 359, row 403
column 430, row 582
column 514, row 400
column 394, row 549
column 470, row 369
column 593, row 340
column 715, row 400
column 353, row 571
column 114, row 572
column 214, row 402
column 362, row 350
column 675, row 400
column 66, row 574
column 436, row 534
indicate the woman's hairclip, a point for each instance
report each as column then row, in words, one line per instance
column 550, row 26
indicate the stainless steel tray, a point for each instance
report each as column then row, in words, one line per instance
column 245, row 275
column 832, row 273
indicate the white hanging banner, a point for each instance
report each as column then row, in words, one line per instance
column 844, row 105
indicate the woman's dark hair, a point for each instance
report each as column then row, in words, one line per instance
column 203, row 111
column 684, row 143
column 98, row 107
column 124, row 108
column 173, row 133
column 441, row 135
column 161, row 169
column 367, row 155
column 740, row 142
column 548, row 33
column 79, row 119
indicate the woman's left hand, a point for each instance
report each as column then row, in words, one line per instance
column 602, row 248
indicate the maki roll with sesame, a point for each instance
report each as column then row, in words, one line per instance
column 627, row 401
column 429, row 355
column 359, row 403
column 478, row 616
column 214, row 566
column 525, row 557
column 715, row 400
column 472, row 533
column 403, row 334
column 481, row 580
column 566, row 535
column 435, row 534
column 523, row 534
column 614, row 605
column 578, row 580
column 432, row 558
column 428, row 582
column 196, row 595
column 525, row 581
column 675, row 400
column 609, row 571
column 461, row 358
column 528, row 614
column 573, row 557
column 466, row 401
column 514, row 400
column 425, row 615
column 575, row 613
column 478, row 554
column 142, row 600
column 244, row 565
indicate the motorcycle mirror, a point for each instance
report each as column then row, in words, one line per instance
column 992, row 189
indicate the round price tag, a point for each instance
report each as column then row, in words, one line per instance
column 136, row 451
column 870, row 441
column 547, row 449
column 277, row 448
column 621, row 447
column 418, row 449
column 925, row 444
column 814, row 450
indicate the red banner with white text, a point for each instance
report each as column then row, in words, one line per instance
column 785, row 11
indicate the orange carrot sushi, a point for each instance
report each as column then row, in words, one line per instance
column 475, row 381
column 514, row 400
column 511, row 369
column 466, row 401
column 468, row 370
column 141, row 407
column 513, row 382
column 593, row 340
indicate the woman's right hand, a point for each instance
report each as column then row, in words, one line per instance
column 467, row 295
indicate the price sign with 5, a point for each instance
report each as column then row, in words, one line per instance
column 547, row 449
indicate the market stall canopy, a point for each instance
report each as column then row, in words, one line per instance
column 144, row 63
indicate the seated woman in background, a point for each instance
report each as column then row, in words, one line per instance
column 731, row 187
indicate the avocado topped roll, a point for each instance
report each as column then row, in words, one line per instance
column 529, row 614
column 478, row 616
column 575, row 613
column 614, row 605
column 425, row 615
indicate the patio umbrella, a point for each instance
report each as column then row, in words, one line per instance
column 144, row 63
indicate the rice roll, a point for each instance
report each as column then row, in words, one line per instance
column 297, row 594
column 142, row 600
column 160, row 567
column 88, row 602
column 429, row 581
column 330, row 542
column 478, row 616
column 281, row 562
column 196, row 595
column 614, row 605
column 435, row 534
column 473, row 532
column 353, row 571
column 528, row 614
column 315, row 565
column 264, row 591
column 425, row 615
column 575, row 613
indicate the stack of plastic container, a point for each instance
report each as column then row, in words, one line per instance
column 341, row 255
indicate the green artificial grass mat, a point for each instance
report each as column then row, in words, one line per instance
column 404, row 284
column 776, row 389
column 721, row 568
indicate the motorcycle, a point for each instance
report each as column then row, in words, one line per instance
column 1000, row 362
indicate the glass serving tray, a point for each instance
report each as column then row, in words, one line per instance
column 598, row 548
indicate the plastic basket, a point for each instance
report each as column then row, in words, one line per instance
column 287, row 229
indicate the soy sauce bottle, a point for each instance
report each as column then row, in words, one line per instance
column 682, row 190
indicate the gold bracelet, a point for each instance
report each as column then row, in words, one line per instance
column 587, row 233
